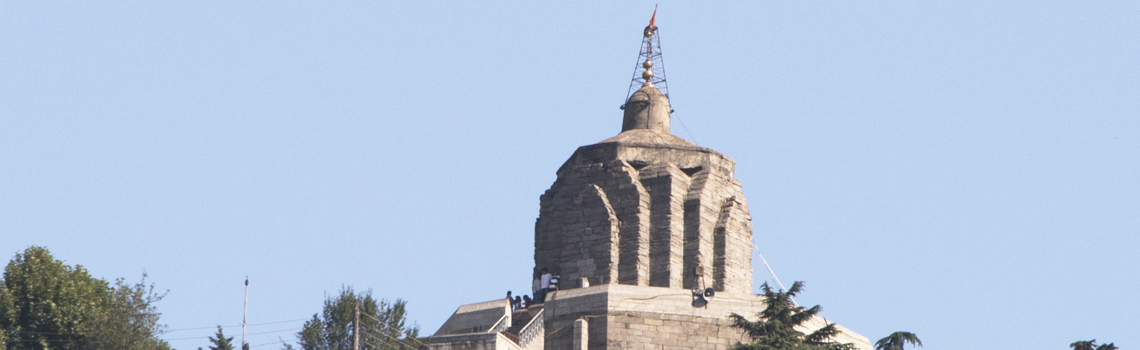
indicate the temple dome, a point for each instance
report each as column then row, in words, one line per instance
column 647, row 108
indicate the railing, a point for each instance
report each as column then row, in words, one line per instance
column 532, row 329
column 502, row 325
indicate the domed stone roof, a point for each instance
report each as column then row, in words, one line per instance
column 647, row 108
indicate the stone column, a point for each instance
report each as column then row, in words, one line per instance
column 581, row 334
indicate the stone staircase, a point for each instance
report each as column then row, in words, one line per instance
column 491, row 325
column 527, row 327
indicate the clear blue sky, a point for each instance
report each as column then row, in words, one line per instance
column 969, row 172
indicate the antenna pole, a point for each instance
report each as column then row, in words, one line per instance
column 356, row 327
column 244, row 310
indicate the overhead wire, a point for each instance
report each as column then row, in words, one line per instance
column 237, row 325
column 402, row 343
column 657, row 33
column 397, row 340
column 390, row 324
column 279, row 340
column 773, row 273
column 269, row 332
column 73, row 334
column 264, row 344
column 42, row 339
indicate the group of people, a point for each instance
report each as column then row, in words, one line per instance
column 543, row 284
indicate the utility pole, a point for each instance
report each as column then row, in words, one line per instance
column 244, row 310
column 356, row 327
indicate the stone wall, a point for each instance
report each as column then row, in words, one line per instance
column 478, row 341
column 638, row 215
column 656, row 331
column 477, row 318
column 646, row 209
column 632, row 317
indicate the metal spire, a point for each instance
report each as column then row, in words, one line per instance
column 649, row 59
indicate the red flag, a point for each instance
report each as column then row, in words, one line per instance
column 653, row 21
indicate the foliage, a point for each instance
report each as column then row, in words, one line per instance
column 776, row 328
column 382, row 325
column 897, row 340
column 1091, row 345
column 220, row 341
column 130, row 321
column 46, row 304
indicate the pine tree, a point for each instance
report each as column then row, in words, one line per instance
column 776, row 329
column 221, row 342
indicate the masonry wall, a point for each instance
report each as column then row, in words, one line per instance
column 658, row 331
column 631, row 317
column 477, row 341
column 646, row 215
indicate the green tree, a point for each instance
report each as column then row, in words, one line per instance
column 46, row 304
column 1091, row 345
column 382, row 324
column 776, row 328
column 220, row 341
column 897, row 340
column 130, row 320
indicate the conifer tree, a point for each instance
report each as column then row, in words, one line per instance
column 220, row 341
column 776, row 329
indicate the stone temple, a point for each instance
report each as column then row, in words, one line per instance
column 639, row 225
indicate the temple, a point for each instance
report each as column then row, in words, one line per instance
column 653, row 239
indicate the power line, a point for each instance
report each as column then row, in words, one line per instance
column 375, row 331
column 269, row 332
column 51, row 333
column 390, row 324
column 45, row 335
column 45, row 340
column 236, row 325
column 401, row 342
column 374, row 345
column 269, row 343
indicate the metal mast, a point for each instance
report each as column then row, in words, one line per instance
column 649, row 59
column 244, row 310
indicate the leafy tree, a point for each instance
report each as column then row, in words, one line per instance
column 220, row 341
column 46, row 304
column 896, row 340
column 1091, row 345
column 382, row 325
column 130, row 320
column 776, row 329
